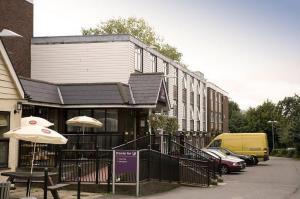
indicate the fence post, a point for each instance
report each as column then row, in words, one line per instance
column 109, row 177
column 208, row 176
column 114, row 173
column 79, row 181
column 169, row 143
column 160, row 166
column 138, row 174
column 97, row 164
column 59, row 163
column 45, row 182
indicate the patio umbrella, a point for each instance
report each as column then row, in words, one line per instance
column 83, row 122
column 36, row 134
column 26, row 121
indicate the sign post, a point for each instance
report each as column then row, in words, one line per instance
column 126, row 161
column 114, row 173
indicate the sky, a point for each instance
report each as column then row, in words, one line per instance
column 250, row 48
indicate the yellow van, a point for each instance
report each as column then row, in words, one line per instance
column 253, row 144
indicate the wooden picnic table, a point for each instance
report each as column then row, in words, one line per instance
column 12, row 176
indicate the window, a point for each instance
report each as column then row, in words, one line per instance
column 184, row 110
column 138, row 59
column 175, row 108
column 184, row 82
column 154, row 63
column 108, row 117
column 4, row 142
column 112, row 120
column 175, row 76
column 99, row 114
column 192, row 84
column 216, row 143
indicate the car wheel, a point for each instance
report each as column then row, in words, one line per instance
column 224, row 169
column 255, row 160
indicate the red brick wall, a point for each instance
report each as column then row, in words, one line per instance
column 17, row 16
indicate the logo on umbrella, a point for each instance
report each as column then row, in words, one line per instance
column 46, row 131
column 32, row 122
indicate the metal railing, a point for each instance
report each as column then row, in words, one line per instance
column 214, row 162
column 96, row 166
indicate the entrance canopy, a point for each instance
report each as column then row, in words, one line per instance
column 146, row 90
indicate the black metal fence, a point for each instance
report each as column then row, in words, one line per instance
column 96, row 165
column 158, row 166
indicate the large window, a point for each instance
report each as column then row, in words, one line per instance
column 108, row 117
column 154, row 63
column 138, row 59
column 111, row 120
column 4, row 142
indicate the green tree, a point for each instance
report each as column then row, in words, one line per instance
column 236, row 118
column 140, row 29
column 289, row 110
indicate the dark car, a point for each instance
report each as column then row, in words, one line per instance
column 228, row 163
column 248, row 159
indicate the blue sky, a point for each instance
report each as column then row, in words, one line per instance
column 251, row 48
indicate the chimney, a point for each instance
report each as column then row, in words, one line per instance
column 17, row 16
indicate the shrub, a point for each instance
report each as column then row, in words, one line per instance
column 291, row 153
column 283, row 152
column 275, row 152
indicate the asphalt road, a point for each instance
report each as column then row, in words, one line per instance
column 278, row 178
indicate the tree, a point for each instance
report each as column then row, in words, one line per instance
column 289, row 110
column 236, row 118
column 140, row 29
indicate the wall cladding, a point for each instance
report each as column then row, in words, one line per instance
column 17, row 16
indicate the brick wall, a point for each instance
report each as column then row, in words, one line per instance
column 17, row 16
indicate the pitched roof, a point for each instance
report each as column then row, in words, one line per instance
column 145, row 87
column 105, row 93
column 76, row 94
column 39, row 91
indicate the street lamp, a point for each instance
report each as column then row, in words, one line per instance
column 273, row 122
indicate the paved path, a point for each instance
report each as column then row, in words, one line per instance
column 278, row 178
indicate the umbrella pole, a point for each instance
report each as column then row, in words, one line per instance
column 32, row 161
column 31, row 170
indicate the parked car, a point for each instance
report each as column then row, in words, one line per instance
column 253, row 144
column 228, row 163
column 248, row 159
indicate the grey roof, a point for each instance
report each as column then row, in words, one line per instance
column 105, row 93
column 145, row 87
column 76, row 94
column 40, row 91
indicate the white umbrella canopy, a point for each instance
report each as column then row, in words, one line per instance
column 36, row 134
column 27, row 121
column 84, row 121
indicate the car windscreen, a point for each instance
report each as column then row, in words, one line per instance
column 219, row 153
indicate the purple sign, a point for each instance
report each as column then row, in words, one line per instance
column 126, row 161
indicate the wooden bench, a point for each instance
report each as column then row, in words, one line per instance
column 53, row 189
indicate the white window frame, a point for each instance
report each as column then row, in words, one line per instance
column 138, row 59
